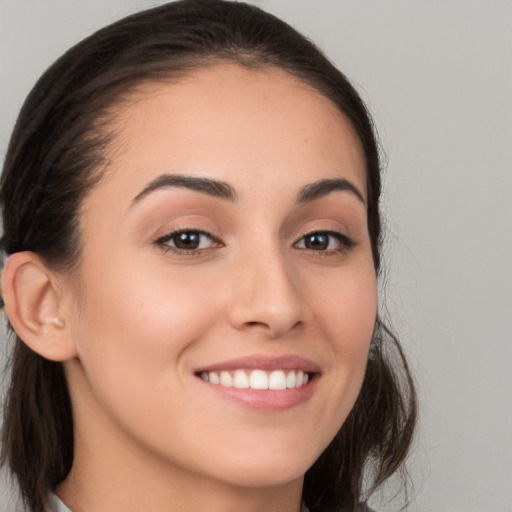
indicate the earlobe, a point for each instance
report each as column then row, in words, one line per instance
column 34, row 306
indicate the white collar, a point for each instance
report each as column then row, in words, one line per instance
column 56, row 504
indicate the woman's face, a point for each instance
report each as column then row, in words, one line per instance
column 228, row 242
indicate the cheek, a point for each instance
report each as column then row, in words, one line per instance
column 134, row 326
column 347, row 307
column 359, row 305
column 346, row 314
column 136, row 321
column 146, row 305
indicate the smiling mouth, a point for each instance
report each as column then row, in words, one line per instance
column 257, row 379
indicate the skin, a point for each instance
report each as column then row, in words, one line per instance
column 150, row 435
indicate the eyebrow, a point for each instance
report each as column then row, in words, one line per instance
column 207, row 186
column 323, row 187
column 222, row 190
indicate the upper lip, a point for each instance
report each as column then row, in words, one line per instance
column 261, row 362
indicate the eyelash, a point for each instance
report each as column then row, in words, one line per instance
column 164, row 245
column 345, row 243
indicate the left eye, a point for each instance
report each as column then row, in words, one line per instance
column 187, row 240
column 324, row 241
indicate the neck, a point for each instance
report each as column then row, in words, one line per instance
column 134, row 489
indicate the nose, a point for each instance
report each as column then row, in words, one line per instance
column 266, row 296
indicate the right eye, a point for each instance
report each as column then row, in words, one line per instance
column 186, row 241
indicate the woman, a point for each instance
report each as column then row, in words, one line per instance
column 191, row 215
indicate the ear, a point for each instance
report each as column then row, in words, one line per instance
column 34, row 304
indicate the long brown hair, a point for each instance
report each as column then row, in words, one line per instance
column 56, row 155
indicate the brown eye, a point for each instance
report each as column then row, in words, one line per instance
column 187, row 241
column 325, row 241
column 317, row 241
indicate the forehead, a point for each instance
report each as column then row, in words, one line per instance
column 252, row 125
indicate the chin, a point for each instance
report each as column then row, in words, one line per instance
column 268, row 477
column 269, row 471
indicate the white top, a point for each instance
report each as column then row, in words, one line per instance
column 56, row 505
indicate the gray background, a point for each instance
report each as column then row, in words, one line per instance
column 437, row 76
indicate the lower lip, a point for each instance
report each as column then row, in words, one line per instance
column 266, row 399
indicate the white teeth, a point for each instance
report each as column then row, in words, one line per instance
column 291, row 379
column 277, row 380
column 226, row 380
column 240, row 380
column 257, row 379
column 214, row 377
